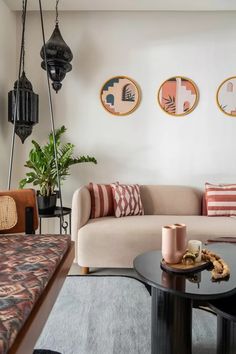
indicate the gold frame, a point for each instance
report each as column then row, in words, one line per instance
column 138, row 91
column 196, row 101
column 217, row 93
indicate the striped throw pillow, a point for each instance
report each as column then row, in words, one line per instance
column 127, row 200
column 221, row 199
column 101, row 200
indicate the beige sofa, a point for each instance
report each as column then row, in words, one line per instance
column 115, row 242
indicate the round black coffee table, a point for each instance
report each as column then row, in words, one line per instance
column 173, row 296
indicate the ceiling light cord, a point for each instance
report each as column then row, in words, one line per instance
column 64, row 223
column 16, row 108
column 23, row 37
column 57, row 20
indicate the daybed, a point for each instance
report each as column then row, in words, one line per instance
column 115, row 242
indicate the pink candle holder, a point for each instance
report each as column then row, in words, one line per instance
column 181, row 238
column 169, row 244
column 174, row 242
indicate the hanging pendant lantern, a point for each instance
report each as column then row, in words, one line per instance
column 22, row 101
column 27, row 108
column 58, row 56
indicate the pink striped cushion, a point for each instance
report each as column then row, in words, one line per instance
column 221, row 199
column 127, row 200
column 101, row 200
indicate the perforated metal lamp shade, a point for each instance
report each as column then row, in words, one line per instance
column 59, row 57
column 27, row 110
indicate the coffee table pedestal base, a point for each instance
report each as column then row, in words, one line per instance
column 226, row 336
column 171, row 323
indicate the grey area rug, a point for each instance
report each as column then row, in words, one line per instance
column 111, row 315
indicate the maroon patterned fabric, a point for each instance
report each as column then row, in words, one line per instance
column 127, row 200
column 26, row 265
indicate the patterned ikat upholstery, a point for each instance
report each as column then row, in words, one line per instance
column 26, row 265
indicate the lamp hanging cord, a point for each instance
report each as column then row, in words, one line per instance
column 16, row 108
column 64, row 224
column 57, row 2
column 23, row 38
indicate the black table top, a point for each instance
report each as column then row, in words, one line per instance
column 148, row 267
column 57, row 213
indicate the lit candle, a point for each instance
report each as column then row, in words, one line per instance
column 195, row 246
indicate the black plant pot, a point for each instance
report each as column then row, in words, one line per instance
column 47, row 205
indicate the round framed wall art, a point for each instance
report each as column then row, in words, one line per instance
column 178, row 96
column 120, row 95
column 226, row 96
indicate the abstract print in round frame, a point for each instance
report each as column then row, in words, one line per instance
column 178, row 96
column 120, row 95
column 226, row 96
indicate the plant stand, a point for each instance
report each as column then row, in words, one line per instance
column 57, row 214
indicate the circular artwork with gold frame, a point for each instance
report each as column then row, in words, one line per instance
column 226, row 96
column 120, row 95
column 178, row 96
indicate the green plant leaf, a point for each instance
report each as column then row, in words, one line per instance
column 42, row 163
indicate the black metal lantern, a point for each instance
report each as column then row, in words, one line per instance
column 58, row 56
column 22, row 101
column 27, row 107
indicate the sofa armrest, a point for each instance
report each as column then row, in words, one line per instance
column 81, row 208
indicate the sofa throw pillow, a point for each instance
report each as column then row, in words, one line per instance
column 101, row 200
column 127, row 200
column 221, row 199
column 204, row 205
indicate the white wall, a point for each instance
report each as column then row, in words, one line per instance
column 7, row 78
column 148, row 146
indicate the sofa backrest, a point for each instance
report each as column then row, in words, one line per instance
column 171, row 200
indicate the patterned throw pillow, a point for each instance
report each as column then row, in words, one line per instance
column 127, row 200
column 221, row 199
column 101, row 200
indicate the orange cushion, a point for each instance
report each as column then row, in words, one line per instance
column 23, row 198
column 8, row 212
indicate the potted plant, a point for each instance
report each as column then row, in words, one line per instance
column 43, row 172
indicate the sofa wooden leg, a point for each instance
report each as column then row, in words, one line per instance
column 85, row 270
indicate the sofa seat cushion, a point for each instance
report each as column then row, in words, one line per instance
column 112, row 242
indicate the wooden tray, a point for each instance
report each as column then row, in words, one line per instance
column 181, row 268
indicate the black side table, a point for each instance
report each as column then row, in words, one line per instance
column 57, row 214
